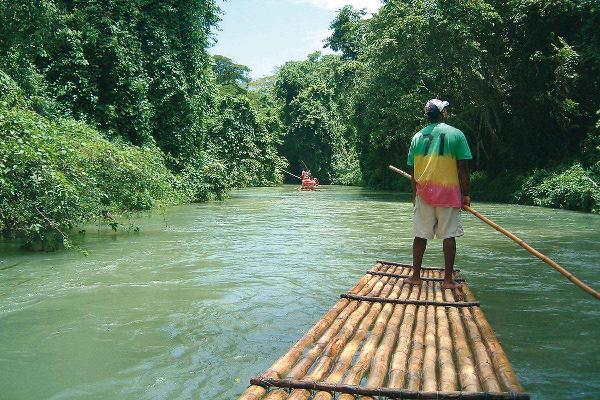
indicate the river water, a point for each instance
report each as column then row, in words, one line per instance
column 206, row 296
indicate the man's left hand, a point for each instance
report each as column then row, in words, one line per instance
column 466, row 200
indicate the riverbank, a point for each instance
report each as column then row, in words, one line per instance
column 58, row 174
column 566, row 186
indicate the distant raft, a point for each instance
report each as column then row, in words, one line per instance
column 388, row 340
column 309, row 184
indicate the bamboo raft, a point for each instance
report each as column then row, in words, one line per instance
column 389, row 340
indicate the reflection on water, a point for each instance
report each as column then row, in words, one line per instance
column 198, row 302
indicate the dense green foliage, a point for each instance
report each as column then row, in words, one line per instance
column 569, row 188
column 59, row 174
column 247, row 143
column 115, row 106
column 232, row 77
column 313, row 97
column 135, row 69
column 348, row 32
column 522, row 78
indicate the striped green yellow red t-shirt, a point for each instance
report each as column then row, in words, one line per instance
column 433, row 153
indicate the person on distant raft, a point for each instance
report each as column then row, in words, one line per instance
column 438, row 157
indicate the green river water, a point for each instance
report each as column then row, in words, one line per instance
column 209, row 295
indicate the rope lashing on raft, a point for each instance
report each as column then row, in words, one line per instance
column 410, row 266
column 415, row 302
column 390, row 393
column 563, row 271
column 408, row 276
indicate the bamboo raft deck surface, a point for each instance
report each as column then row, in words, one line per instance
column 389, row 340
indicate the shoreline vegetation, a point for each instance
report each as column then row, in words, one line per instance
column 110, row 108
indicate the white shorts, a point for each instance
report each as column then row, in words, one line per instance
column 428, row 220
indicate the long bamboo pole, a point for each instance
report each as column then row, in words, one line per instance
column 300, row 369
column 415, row 361
column 466, row 368
column 430, row 378
column 399, row 361
column 380, row 362
column 566, row 273
column 357, row 312
column 356, row 373
column 289, row 173
column 482, row 360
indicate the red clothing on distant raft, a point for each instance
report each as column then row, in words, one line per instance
column 435, row 168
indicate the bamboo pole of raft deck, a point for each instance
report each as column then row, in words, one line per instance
column 379, row 363
column 255, row 392
column 446, row 364
column 415, row 360
column 506, row 374
column 356, row 373
column 341, row 340
column 301, row 367
column 566, row 273
column 354, row 312
column 466, row 367
column 430, row 358
column 350, row 350
column 278, row 394
column 371, row 356
column 484, row 364
column 398, row 364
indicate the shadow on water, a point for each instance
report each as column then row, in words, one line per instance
column 3, row 268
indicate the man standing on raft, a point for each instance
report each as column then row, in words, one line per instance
column 440, row 179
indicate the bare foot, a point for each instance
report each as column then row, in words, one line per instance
column 413, row 280
column 450, row 285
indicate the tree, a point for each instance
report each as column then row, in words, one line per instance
column 246, row 142
column 231, row 75
column 136, row 69
column 317, row 135
column 420, row 50
column 349, row 29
